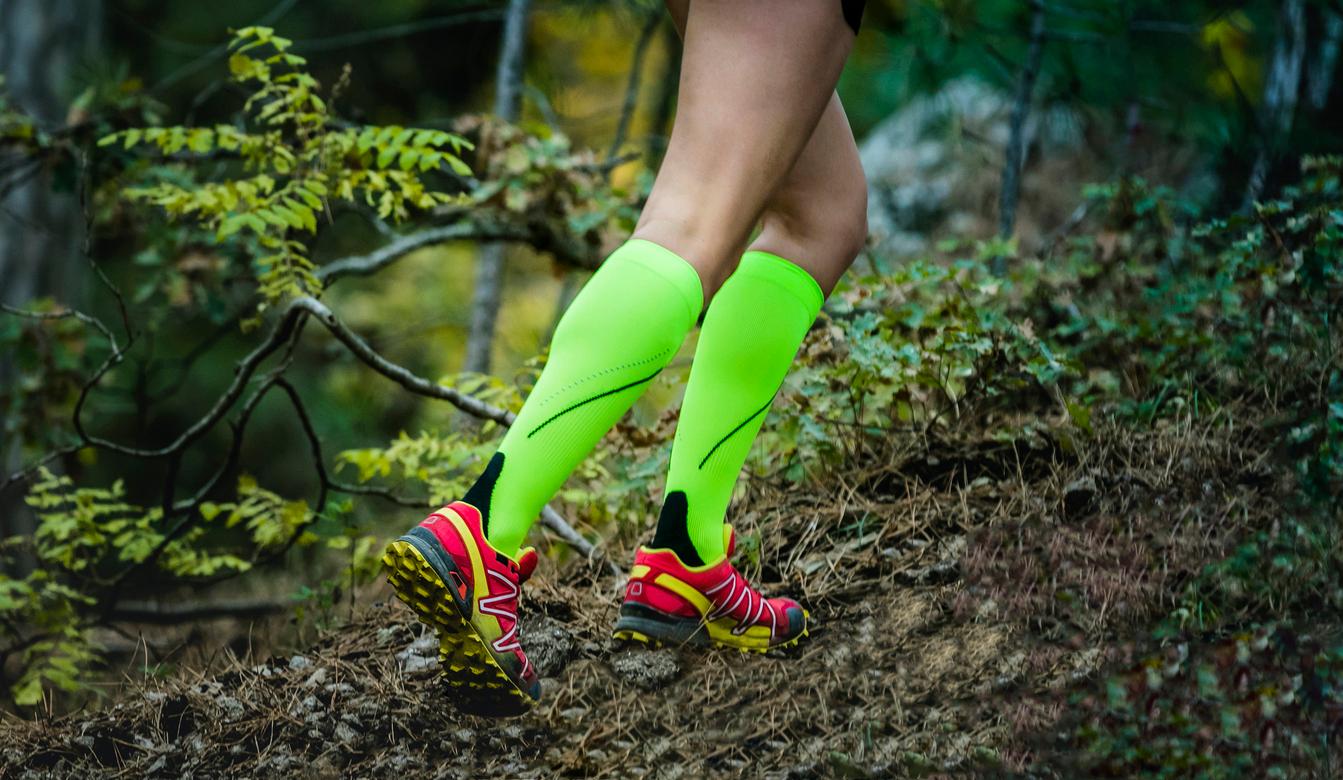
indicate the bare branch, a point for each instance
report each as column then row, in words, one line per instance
column 552, row 520
column 399, row 374
column 242, row 374
column 379, row 492
column 378, row 259
column 64, row 314
column 314, row 443
column 170, row 614
column 188, row 508
column 540, row 234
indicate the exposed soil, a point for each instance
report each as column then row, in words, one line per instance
column 957, row 600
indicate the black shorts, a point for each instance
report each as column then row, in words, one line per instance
column 853, row 13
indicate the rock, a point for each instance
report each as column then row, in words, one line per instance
column 947, row 567
column 421, row 655
column 1079, row 496
column 648, row 669
column 231, row 708
column 339, row 689
column 394, row 635
column 346, row 734
column 932, row 163
column 549, row 644
column 298, row 663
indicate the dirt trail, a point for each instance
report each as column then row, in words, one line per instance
column 941, row 640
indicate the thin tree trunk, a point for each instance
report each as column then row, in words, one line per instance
column 1280, row 94
column 42, row 45
column 1322, row 67
column 664, row 103
column 490, row 265
column 651, row 23
column 1015, row 154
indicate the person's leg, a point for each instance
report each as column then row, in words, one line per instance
column 813, row 225
column 818, row 212
column 621, row 330
column 818, row 216
column 756, row 78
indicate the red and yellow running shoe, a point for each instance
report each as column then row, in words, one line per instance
column 466, row 591
column 667, row 601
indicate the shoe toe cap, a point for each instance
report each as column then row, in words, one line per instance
column 797, row 619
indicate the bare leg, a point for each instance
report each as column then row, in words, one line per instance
column 817, row 215
column 756, row 78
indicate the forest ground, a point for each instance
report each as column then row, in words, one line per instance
column 962, row 591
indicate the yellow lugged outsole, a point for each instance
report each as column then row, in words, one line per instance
column 465, row 662
column 630, row 635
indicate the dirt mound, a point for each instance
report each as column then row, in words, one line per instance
column 947, row 613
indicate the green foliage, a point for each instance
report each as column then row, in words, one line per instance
column 270, row 520
column 439, row 466
column 16, row 128
column 543, row 178
column 90, row 540
column 244, row 200
column 919, row 347
column 1257, row 703
column 1206, row 319
column 293, row 160
column 1198, row 316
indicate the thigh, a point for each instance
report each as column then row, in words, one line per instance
column 756, row 77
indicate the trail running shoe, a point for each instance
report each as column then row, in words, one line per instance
column 667, row 601
column 457, row 584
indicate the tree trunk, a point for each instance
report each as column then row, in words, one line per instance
column 490, row 264
column 664, row 103
column 1322, row 66
column 1015, row 154
column 43, row 43
column 651, row 23
column 1280, row 94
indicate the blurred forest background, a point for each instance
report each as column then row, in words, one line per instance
column 274, row 275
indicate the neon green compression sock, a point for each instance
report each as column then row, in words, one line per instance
column 750, row 336
column 624, row 326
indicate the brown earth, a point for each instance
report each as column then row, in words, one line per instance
column 957, row 598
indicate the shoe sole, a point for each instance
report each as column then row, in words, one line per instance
column 480, row 685
column 661, row 630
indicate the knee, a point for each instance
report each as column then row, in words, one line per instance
column 828, row 229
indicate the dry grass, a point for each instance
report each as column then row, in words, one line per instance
column 955, row 595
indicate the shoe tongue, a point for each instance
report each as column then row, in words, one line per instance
column 729, row 540
column 526, row 564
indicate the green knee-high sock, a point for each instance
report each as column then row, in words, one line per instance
column 750, row 336
column 620, row 331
